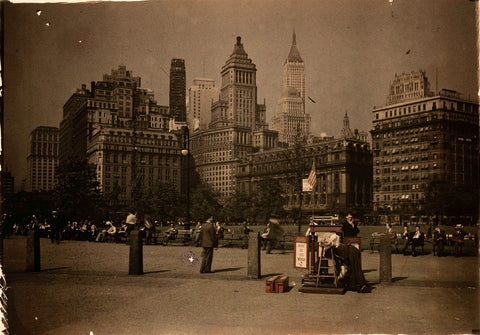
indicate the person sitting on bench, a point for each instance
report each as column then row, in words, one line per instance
column 170, row 234
column 416, row 239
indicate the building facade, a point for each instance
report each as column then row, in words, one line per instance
column 291, row 118
column 422, row 139
column 42, row 159
column 237, row 125
column 119, row 127
column 178, row 87
column 8, row 184
column 127, row 159
column 200, row 97
column 343, row 168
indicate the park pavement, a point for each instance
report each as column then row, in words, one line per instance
column 84, row 288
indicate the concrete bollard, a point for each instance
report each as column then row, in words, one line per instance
column 33, row 251
column 136, row 253
column 253, row 268
column 385, row 259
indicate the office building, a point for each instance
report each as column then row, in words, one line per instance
column 118, row 126
column 178, row 86
column 237, row 127
column 200, row 97
column 421, row 137
column 42, row 159
column 291, row 119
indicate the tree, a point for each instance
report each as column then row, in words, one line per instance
column 239, row 207
column 162, row 201
column 448, row 199
column 268, row 199
column 204, row 203
column 77, row 194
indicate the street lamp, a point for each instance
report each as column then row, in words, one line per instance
column 186, row 155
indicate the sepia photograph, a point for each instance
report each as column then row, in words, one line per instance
column 239, row 167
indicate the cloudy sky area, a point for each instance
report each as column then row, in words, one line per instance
column 351, row 48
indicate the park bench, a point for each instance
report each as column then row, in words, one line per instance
column 232, row 236
column 396, row 243
column 470, row 244
column 286, row 240
column 184, row 236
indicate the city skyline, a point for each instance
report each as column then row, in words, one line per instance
column 352, row 51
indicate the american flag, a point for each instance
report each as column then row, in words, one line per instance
column 312, row 177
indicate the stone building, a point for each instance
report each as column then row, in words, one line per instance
column 42, row 159
column 343, row 167
column 118, row 126
column 291, row 118
column 424, row 138
column 237, row 126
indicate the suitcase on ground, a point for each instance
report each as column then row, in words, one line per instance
column 281, row 284
column 270, row 284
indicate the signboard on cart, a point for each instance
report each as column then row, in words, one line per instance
column 300, row 252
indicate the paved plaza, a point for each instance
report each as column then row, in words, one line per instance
column 84, row 288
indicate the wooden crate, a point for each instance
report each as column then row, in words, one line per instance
column 270, row 284
column 281, row 284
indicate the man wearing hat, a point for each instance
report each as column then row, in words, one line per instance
column 457, row 239
column 207, row 239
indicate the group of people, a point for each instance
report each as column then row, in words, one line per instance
column 416, row 239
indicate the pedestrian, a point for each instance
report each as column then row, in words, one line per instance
column 131, row 221
column 55, row 227
column 272, row 234
column 458, row 239
column 439, row 239
column 149, row 229
column 349, row 227
column 208, row 241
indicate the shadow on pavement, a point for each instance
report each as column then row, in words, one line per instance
column 228, row 269
column 395, row 279
column 53, row 269
column 270, row 275
column 159, row 271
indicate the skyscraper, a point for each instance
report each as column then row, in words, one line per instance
column 237, row 126
column 291, row 118
column 200, row 97
column 178, row 84
column 42, row 159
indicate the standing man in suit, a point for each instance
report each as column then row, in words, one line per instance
column 208, row 241
column 349, row 227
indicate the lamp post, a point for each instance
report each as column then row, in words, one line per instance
column 186, row 155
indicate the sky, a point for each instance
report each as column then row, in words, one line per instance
column 351, row 48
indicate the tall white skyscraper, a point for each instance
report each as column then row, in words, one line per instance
column 291, row 117
column 200, row 97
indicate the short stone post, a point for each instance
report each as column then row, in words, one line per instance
column 33, row 251
column 136, row 253
column 253, row 255
column 385, row 259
